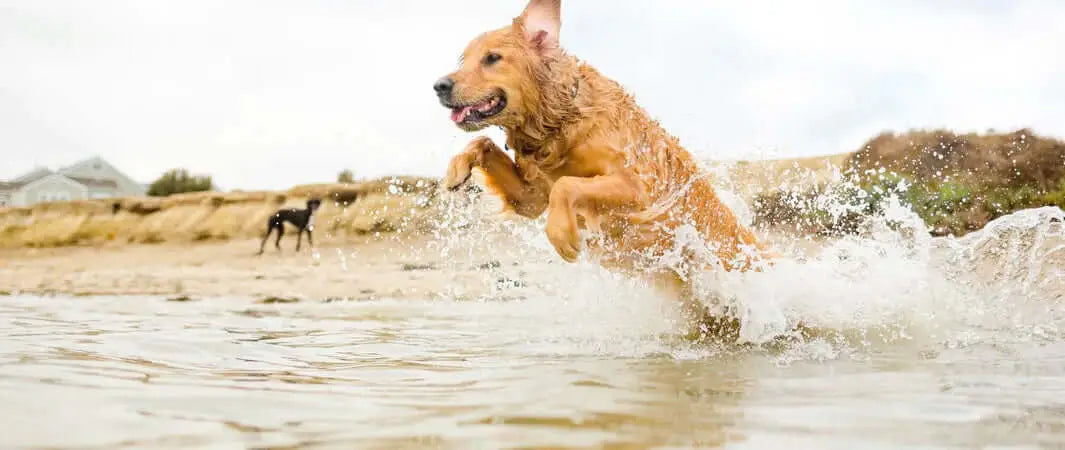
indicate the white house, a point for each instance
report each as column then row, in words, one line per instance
column 91, row 178
column 5, row 193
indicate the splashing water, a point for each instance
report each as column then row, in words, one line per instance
column 894, row 281
column 891, row 282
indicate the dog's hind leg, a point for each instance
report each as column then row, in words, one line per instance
column 262, row 245
column 280, row 232
column 697, row 320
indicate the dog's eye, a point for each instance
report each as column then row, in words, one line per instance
column 491, row 58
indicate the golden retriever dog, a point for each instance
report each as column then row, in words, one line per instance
column 587, row 154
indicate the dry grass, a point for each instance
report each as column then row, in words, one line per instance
column 1008, row 159
column 383, row 205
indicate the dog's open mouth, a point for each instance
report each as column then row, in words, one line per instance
column 479, row 111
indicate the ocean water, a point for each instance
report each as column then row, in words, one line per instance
column 919, row 343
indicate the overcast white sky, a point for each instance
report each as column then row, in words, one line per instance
column 272, row 93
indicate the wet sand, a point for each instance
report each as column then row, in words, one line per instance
column 370, row 268
column 475, row 263
column 478, row 265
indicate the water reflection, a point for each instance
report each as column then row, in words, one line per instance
column 108, row 372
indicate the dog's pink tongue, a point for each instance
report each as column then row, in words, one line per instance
column 458, row 115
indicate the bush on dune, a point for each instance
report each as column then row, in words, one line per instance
column 178, row 181
column 955, row 183
column 1020, row 158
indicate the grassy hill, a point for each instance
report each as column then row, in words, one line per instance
column 955, row 182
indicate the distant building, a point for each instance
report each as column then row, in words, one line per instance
column 5, row 193
column 88, row 179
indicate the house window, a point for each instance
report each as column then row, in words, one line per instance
column 53, row 196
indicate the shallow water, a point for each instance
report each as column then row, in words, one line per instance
column 915, row 342
column 105, row 372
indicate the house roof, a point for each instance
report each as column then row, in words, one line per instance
column 55, row 176
column 31, row 176
column 42, row 172
column 89, row 182
column 89, row 160
column 122, row 181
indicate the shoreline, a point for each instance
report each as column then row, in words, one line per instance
column 349, row 269
column 471, row 263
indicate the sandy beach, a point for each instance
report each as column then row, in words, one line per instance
column 351, row 269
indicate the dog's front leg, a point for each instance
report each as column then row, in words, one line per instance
column 502, row 176
column 590, row 198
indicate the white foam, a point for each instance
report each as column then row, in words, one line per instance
column 898, row 280
column 892, row 282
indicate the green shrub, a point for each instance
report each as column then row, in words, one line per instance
column 178, row 181
column 946, row 206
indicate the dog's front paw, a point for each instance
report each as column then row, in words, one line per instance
column 461, row 166
column 458, row 171
column 565, row 238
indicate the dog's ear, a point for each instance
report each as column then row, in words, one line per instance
column 541, row 22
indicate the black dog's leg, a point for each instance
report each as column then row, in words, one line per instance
column 310, row 240
column 269, row 229
column 299, row 238
column 280, row 232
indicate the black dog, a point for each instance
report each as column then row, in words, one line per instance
column 303, row 219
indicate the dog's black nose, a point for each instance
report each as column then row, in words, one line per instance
column 443, row 86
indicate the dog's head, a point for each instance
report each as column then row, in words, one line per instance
column 502, row 72
column 313, row 204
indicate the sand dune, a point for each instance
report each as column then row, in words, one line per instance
column 386, row 205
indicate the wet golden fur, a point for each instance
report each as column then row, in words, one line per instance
column 586, row 153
